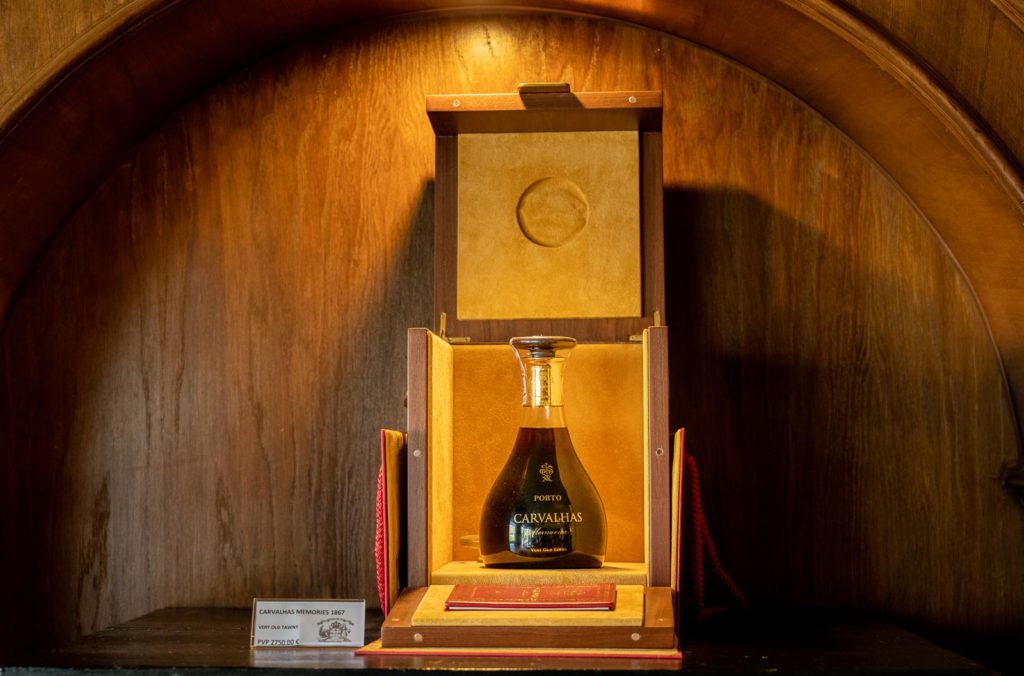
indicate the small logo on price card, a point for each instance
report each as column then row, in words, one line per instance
column 302, row 623
column 335, row 630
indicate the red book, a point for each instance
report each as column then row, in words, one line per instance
column 530, row 597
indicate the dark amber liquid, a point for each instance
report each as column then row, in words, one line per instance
column 543, row 510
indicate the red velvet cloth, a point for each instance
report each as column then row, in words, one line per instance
column 701, row 546
column 380, row 543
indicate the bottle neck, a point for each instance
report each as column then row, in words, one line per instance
column 542, row 359
column 542, row 417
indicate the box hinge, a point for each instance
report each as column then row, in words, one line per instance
column 443, row 332
column 637, row 337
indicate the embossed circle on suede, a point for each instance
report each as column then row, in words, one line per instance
column 552, row 210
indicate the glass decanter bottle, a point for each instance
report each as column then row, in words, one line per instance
column 543, row 510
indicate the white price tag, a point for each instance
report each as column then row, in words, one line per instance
column 301, row 623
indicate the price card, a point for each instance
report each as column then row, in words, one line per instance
column 301, row 623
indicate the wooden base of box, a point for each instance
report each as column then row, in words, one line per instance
column 496, row 659
column 657, row 631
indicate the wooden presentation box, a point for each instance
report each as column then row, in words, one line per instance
column 548, row 221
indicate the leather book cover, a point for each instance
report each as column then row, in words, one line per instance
column 529, row 597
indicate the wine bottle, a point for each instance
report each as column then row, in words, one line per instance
column 543, row 510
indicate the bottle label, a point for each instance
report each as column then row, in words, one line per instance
column 537, row 386
column 547, row 517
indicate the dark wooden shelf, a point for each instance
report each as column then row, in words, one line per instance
column 807, row 642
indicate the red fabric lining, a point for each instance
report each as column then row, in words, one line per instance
column 701, row 542
column 380, row 540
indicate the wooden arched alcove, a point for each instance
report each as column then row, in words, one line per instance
column 215, row 227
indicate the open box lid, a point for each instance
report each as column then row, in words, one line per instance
column 548, row 213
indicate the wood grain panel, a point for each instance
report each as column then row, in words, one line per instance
column 220, row 363
column 193, row 377
column 824, row 365
column 418, row 402
column 657, row 461
column 147, row 58
column 975, row 46
column 38, row 34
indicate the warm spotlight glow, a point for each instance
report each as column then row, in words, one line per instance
column 483, row 42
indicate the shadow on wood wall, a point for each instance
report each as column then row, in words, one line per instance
column 846, row 456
